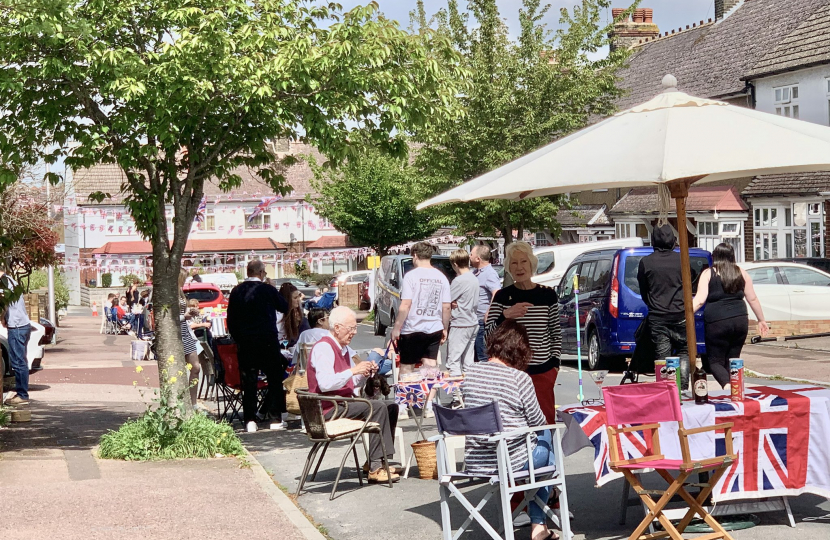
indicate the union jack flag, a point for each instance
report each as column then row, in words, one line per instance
column 412, row 394
column 261, row 207
column 201, row 210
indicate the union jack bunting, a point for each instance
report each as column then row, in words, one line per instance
column 261, row 207
column 412, row 395
column 201, row 210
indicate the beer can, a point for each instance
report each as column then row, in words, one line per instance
column 736, row 378
column 659, row 370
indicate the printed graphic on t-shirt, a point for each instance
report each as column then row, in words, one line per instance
column 429, row 298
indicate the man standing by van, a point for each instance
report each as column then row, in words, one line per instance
column 661, row 287
column 488, row 284
column 424, row 316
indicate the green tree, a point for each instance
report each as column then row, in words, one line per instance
column 372, row 199
column 180, row 92
column 523, row 94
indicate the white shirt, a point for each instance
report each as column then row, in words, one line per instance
column 322, row 360
column 429, row 290
column 308, row 336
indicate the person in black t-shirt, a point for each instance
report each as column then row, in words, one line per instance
column 252, row 323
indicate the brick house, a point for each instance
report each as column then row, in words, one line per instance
column 772, row 55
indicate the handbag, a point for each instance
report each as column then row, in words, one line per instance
column 291, row 384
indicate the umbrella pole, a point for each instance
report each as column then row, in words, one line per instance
column 679, row 191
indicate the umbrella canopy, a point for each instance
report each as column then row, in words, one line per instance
column 672, row 137
column 672, row 140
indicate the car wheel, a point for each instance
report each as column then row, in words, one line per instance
column 595, row 361
column 380, row 329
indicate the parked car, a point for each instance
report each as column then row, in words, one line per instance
column 816, row 262
column 610, row 306
column 226, row 281
column 348, row 277
column 388, row 286
column 554, row 260
column 208, row 294
column 303, row 286
column 789, row 291
column 49, row 331
column 34, row 351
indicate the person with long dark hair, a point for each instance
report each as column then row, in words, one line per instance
column 723, row 289
column 293, row 323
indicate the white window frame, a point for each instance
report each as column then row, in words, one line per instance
column 786, row 100
column 259, row 221
column 767, row 231
column 625, row 229
column 541, row 239
column 208, row 225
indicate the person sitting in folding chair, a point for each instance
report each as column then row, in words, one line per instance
column 502, row 379
column 332, row 371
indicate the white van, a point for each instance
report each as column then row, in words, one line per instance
column 554, row 260
column 224, row 281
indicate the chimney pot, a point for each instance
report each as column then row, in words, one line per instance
column 649, row 15
column 617, row 12
column 701, row 22
column 710, row 20
column 639, row 15
column 672, row 30
column 687, row 27
column 694, row 25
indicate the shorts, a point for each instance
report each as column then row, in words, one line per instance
column 417, row 345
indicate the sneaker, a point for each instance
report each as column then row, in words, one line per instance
column 276, row 426
column 251, row 427
column 522, row 520
column 379, row 476
column 394, row 469
column 17, row 400
column 428, row 413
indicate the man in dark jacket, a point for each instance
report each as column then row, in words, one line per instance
column 661, row 287
column 252, row 323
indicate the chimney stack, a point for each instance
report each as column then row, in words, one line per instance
column 629, row 32
column 722, row 7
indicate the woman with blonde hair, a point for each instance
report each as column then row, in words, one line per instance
column 536, row 308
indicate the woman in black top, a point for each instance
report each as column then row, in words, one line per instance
column 536, row 307
column 723, row 289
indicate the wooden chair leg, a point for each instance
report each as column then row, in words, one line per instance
column 696, row 506
column 656, row 508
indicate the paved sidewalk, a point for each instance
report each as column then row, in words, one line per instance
column 54, row 486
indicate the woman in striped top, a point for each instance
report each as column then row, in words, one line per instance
column 502, row 379
column 536, row 307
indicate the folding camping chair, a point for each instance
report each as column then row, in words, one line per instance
column 641, row 408
column 111, row 324
column 229, row 382
column 327, row 301
column 486, row 420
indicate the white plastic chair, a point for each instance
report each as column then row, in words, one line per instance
column 485, row 420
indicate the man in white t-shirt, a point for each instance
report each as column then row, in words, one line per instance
column 424, row 317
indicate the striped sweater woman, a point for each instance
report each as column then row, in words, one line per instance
column 536, row 307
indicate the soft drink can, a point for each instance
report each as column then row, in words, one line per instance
column 736, row 378
column 673, row 372
column 659, row 370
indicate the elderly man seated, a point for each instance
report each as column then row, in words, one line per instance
column 332, row 371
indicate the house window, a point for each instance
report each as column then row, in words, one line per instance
column 119, row 225
column 258, row 223
column 786, row 101
column 799, row 234
column 325, row 224
column 625, row 230
column 541, row 239
column 208, row 224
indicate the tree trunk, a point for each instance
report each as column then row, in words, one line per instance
column 168, row 326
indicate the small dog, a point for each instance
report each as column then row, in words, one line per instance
column 376, row 386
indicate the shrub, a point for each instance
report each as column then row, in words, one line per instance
column 322, row 280
column 5, row 417
column 106, row 280
column 129, row 279
column 302, row 270
column 39, row 280
column 164, row 431
column 239, row 275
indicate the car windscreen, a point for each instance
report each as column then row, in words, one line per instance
column 443, row 265
column 546, row 262
column 202, row 295
column 632, row 263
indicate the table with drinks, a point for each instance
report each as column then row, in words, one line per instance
column 781, row 434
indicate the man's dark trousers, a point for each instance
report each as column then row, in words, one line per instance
column 255, row 355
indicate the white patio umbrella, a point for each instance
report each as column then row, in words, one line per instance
column 674, row 139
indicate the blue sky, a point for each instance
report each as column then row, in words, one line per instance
column 668, row 14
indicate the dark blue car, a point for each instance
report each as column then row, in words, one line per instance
column 610, row 305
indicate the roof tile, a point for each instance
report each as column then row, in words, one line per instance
column 331, row 242
column 700, row 199
column 220, row 245
column 788, row 184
